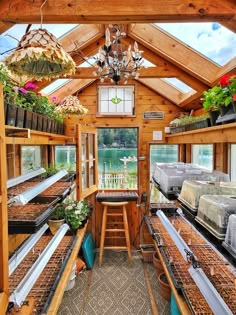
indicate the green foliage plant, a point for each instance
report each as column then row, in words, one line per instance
column 59, row 212
column 220, row 95
column 185, row 120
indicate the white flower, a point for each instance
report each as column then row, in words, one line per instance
column 69, row 208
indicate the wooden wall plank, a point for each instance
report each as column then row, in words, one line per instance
column 3, row 211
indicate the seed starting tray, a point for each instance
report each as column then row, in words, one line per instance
column 214, row 265
column 19, row 189
column 29, row 218
column 59, row 189
column 168, row 208
column 44, row 288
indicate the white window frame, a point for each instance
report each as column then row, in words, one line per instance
column 124, row 108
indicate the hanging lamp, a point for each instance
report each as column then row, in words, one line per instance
column 39, row 55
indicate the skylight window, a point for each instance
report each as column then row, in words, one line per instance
column 210, row 39
column 17, row 31
column 54, row 86
column 181, row 86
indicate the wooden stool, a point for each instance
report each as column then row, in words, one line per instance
column 107, row 214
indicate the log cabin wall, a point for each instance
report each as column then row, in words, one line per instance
column 145, row 100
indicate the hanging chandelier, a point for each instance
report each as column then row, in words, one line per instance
column 114, row 63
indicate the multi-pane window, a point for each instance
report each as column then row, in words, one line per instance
column 202, row 154
column 30, row 158
column 162, row 153
column 116, row 100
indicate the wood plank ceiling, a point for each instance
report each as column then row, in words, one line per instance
column 169, row 56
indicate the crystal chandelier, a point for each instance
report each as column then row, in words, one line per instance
column 113, row 62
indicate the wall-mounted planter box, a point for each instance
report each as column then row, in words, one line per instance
column 20, row 117
column 45, row 123
column 11, row 115
column 40, row 122
column 28, row 119
column 34, row 121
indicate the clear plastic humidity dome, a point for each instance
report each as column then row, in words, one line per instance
column 213, row 213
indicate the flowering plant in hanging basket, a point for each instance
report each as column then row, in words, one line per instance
column 71, row 105
column 40, row 55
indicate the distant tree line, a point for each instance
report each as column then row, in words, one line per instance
column 117, row 137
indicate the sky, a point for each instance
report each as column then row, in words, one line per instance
column 210, row 39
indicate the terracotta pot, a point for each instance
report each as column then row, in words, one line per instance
column 54, row 225
column 164, row 286
column 157, row 263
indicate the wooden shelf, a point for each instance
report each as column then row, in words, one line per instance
column 181, row 302
column 25, row 136
column 215, row 134
column 65, row 277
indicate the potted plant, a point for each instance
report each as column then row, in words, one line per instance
column 76, row 213
column 220, row 97
column 57, row 218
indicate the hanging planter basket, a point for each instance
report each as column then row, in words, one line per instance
column 39, row 55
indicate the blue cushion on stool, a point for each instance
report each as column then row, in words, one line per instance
column 89, row 251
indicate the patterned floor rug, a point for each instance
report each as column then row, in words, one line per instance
column 116, row 288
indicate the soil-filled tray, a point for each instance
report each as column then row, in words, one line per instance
column 168, row 208
column 19, row 189
column 197, row 302
column 30, row 217
column 45, row 285
column 59, row 189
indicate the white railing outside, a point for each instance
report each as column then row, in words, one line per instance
column 117, row 181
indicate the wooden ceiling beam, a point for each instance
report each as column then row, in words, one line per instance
column 230, row 24
column 81, row 37
column 4, row 26
column 153, row 57
column 151, row 72
column 163, row 88
column 174, row 51
column 71, row 88
column 99, row 11
column 228, row 68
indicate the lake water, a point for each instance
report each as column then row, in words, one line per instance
column 109, row 160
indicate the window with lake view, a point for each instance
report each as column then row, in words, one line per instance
column 202, row 154
column 117, row 158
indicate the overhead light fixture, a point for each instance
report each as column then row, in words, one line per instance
column 115, row 63
column 39, row 55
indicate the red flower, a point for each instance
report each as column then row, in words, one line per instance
column 225, row 80
column 234, row 97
